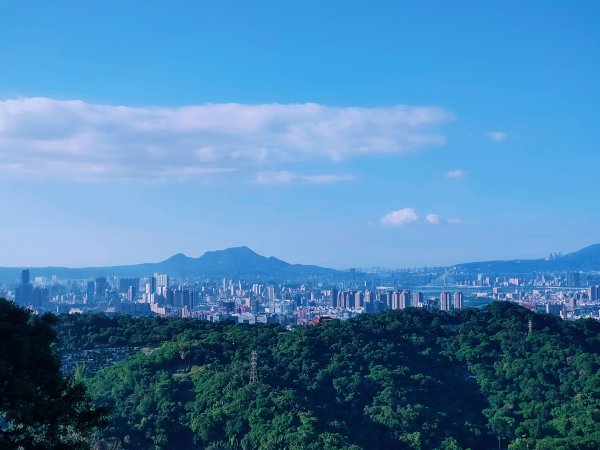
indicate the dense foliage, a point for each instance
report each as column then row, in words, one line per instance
column 39, row 408
column 543, row 388
column 404, row 379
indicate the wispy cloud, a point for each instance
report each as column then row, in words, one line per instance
column 287, row 177
column 44, row 138
column 496, row 136
column 400, row 217
column 456, row 174
column 407, row 216
column 433, row 219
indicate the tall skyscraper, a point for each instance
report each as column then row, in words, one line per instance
column 126, row 283
column 405, row 299
column 40, row 297
column 445, row 301
column 334, row 298
column 161, row 280
column 101, row 286
column 385, row 298
column 397, row 300
column 25, row 277
column 91, row 289
column 458, row 300
column 553, row 309
column 573, row 279
column 271, row 292
column 359, row 300
column 132, row 292
column 24, row 292
column 417, row 299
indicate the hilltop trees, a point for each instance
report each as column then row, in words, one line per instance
column 39, row 408
column 379, row 381
column 408, row 379
column 543, row 388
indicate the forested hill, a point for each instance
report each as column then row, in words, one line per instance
column 407, row 379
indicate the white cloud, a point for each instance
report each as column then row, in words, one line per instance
column 456, row 174
column 400, row 217
column 433, row 219
column 43, row 138
column 409, row 215
column 286, row 177
column 496, row 136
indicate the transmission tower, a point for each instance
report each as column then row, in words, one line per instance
column 253, row 371
column 530, row 326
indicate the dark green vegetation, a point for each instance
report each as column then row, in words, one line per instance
column 406, row 379
column 39, row 408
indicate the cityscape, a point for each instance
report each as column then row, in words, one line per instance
column 299, row 225
column 330, row 295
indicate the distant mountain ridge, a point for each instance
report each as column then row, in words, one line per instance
column 239, row 262
column 586, row 259
column 231, row 262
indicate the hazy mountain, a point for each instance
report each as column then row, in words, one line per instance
column 231, row 262
column 243, row 262
column 586, row 259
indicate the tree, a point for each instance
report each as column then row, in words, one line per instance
column 39, row 407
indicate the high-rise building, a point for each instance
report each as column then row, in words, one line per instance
column 458, row 300
column 400, row 299
column 573, row 279
column 24, row 292
column 40, row 297
column 194, row 299
column 385, row 298
column 257, row 289
column 126, row 283
column 445, row 301
column 25, row 277
column 334, row 298
column 271, row 292
column 181, row 297
column 396, row 302
column 594, row 293
column 90, row 291
column 101, row 286
column 161, row 280
column 132, row 293
column 405, row 299
column 417, row 299
column 359, row 300
column 553, row 309
column 344, row 300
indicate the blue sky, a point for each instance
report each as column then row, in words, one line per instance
column 340, row 133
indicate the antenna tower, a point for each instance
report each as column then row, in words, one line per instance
column 253, row 371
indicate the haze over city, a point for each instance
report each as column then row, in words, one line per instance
column 343, row 134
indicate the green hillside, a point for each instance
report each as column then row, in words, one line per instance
column 405, row 379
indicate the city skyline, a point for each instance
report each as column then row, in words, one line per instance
column 334, row 133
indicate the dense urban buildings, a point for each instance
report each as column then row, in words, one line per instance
column 341, row 295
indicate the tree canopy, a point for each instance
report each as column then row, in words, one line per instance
column 408, row 379
column 39, row 408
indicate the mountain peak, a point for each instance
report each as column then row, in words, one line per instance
column 178, row 257
column 242, row 249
